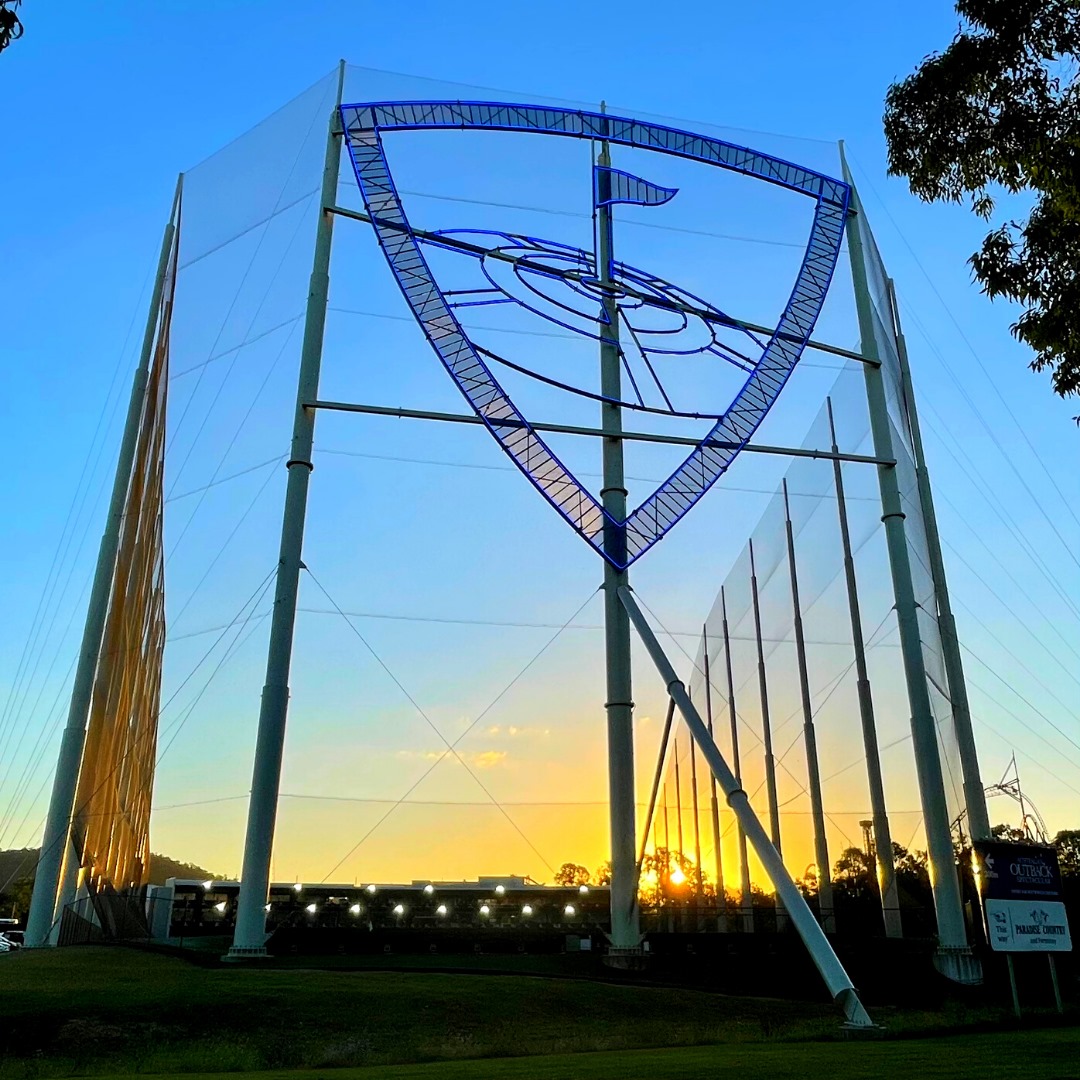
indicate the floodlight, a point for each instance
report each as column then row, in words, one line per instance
column 208, row 885
column 221, row 906
column 429, row 889
column 500, row 889
column 355, row 909
column 569, row 910
column 441, row 909
column 485, row 910
column 527, row 909
column 298, row 887
column 311, row 909
column 399, row 909
column 371, row 889
column 583, row 889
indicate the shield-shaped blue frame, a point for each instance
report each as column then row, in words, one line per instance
column 364, row 126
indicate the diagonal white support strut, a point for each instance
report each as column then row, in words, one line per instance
column 821, row 952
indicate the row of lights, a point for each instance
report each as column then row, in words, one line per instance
column 500, row 890
column 441, row 910
column 399, row 909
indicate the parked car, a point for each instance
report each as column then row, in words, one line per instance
column 10, row 940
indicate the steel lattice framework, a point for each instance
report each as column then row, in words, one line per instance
column 364, row 125
column 111, row 823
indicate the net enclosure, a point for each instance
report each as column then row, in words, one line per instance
column 449, row 648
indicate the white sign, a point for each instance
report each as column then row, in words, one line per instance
column 1027, row 926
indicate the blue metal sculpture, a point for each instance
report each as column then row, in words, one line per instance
column 540, row 264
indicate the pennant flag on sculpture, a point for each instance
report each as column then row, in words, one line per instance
column 615, row 186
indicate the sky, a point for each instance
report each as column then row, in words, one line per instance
column 463, row 577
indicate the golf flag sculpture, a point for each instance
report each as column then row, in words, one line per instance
column 643, row 326
column 615, row 293
column 612, row 329
column 595, row 295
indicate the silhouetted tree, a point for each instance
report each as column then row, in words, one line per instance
column 668, row 875
column 854, row 872
column 1067, row 843
column 809, row 884
column 572, row 874
column 999, row 112
column 1009, row 834
column 11, row 29
column 15, row 899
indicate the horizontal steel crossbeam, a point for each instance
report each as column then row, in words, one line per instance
column 573, row 275
column 574, row 429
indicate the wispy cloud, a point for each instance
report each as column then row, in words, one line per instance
column 480, row 759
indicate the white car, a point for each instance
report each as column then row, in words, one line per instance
column 10, row 940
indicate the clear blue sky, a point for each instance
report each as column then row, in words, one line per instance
column 104, row 105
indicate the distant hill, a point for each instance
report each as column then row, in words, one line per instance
column 162, row 867
column 17, row 865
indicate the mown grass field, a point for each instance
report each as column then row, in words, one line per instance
column 1044, row 1055
column 117, row 1012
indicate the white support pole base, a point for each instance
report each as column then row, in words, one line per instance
column 237, row 953
column 636, row 959
column 959, row 965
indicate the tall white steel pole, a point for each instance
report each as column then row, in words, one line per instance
column 746, row 896
column 883, row 852
column 714, row 806
column 817, row 806
column 249, row 939
column 625, row 935
column 56, row 841
column 954, row 957
column 766, row 729
column 695, row 809
column 974, row 794
column 678, row 803
column 766, row 722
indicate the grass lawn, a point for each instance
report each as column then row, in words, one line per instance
column 115, row 1012
column 1036, row 1055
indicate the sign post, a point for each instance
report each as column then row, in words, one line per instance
column 1020, row 889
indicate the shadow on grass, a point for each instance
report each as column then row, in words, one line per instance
column 97, row 1011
